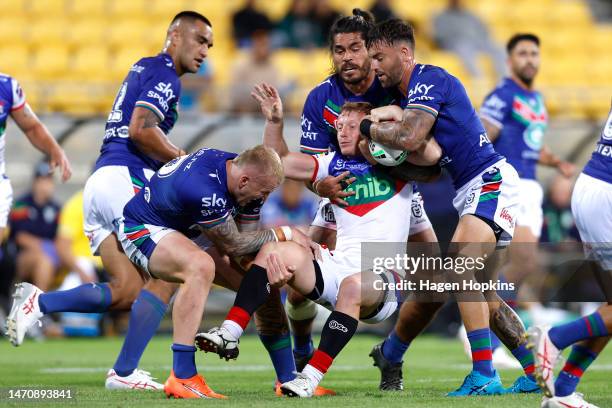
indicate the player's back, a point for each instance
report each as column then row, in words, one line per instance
column 152, row 83
column 522, row 118
column 600, row 164
column 187, row 190
column 466, row 149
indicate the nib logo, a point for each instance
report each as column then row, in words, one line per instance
column 334, row 325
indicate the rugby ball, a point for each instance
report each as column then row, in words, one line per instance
column 385, row 155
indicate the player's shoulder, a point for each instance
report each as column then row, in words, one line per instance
column 160, row 64
column 431, row 72
column 325, row 87
column 7, row 82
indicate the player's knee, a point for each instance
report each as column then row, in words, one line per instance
column 201, row 270
column 295, row 298
column 162, row 289
column 350, row 288
column 303, row 310
column 265, row 250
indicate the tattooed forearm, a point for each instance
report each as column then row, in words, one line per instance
column 231, row 241
column 150, row 119
column 409, row 134
column 506, row 324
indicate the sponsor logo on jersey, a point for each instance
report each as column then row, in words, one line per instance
column 607, row 130
column 214, row 201
column 604, row 150
column 505, row 215
column 419, row 93
column 137, row 68
column 484, row 139
column 334, row 325
column 327, row 213
column 372, row 188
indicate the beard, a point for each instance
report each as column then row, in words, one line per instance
column 359, row 74
column 526, row 78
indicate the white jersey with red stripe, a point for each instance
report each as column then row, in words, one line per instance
column 12, row 98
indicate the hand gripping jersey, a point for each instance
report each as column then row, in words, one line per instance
column 600, row 164
column 188, row 192
column 466, row 150
column 521, row 116
column 152, row 83
column 11, row 99
column 378, row 212
column 322, row 108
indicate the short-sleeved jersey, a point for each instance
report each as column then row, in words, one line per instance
column 322, row 108
column 600, row 164
column 152, row 83
column 189, row 192
column 38, row 220
column 378, row 212
column 521, row 116
column 12, row 98
column 466, row 149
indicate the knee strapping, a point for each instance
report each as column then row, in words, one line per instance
column 304, row 311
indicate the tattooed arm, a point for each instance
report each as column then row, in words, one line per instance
column 506, row 325
column 230, row 240
column 38, row 134
column 149, row 138
column 408, row 134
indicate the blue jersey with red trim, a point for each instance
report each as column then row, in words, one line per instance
column 11, row 99
column 152, row 83
column 521, row 116
column 188, row 192
column 600, row 164
column 466, row 149
column 322, row 108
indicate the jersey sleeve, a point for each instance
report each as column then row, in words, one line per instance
column 159, row 93
column 496, row 107
column 18, row 95
column 430, row 92
column 322, row 162
column 315, row 138
column 250, row 213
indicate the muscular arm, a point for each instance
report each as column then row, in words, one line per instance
column 149, row 138
column 299, row 166
column 408, row 134
column 492, row 130
column 233, row 242
column 38, row 134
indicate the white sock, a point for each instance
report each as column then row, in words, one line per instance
column 315, row 375
column 233, row 328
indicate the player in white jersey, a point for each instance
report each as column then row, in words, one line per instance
column 592, row 210
column 331, row 278
column 13, row 103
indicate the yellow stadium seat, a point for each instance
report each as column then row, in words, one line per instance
column 47, row 8
column 13, row 29
column 167, row 9
column 88, row 8
column 48, row 32
column 132, row 32
column 14, row 8
column 91, row 63
column 15, row 61
column 292, row 64
column 87, row 32
column 51, row 62
column 131, row 8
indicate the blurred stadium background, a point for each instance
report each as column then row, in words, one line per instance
column 70, row 56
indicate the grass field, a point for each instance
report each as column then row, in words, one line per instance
column 432, row 368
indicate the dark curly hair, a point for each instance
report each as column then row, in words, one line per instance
column 517, row 38
column 361, row 21
column 390, row 32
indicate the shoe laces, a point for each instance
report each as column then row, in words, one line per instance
column 302, row 380
column 144, row 374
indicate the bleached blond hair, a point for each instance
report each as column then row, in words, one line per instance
column 265, row 159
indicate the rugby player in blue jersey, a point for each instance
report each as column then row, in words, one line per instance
column 353, row 80
column 435, row 104
column 135, row 145
column 592, row 210
column 196, row 201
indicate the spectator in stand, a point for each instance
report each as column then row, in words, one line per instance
column 324, row 16
column 248, row 20
column 298, row 29
column 381, row 9
column 33, row 224
column 257, row 67
column 290, row 205
column 458, row 30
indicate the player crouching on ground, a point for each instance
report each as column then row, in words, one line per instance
column 333, row 279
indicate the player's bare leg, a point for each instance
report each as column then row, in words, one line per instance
column 178, row 259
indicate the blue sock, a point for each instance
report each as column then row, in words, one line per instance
column 525, row 357
column 183, row 361
column 146, row 314
column 577, row 363
column 303, row 345
column 586, row 327
column 495, row 341
column 393, row 348
column 482, row 356
column 88, row 298
column 279, row 348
